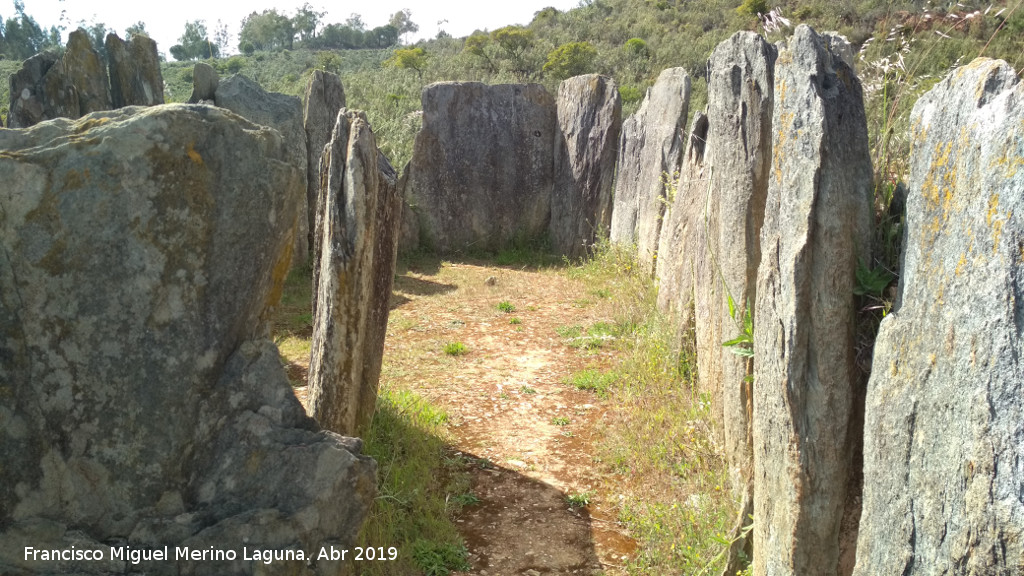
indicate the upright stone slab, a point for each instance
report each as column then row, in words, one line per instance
column 84, row 69
column 590, row 118
column 142, row 402
column 482, row 169
column 135, row 78
column 246, row 98
column 355, row 266
column 205, row 81
column 30, row 104
column 739, row 150
column 817, row 226
column 324, row 98
column 944, row 437
column 652, row 146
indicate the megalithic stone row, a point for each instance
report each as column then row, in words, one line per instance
column 282, row 112
column 205, row 80
column 142, row 402
column 135, row 77
column 324, row 98
column 944, row 433
column 589, row 119
column 357, row 220
column 84, row 69
column 818, row 221
column 651, row 149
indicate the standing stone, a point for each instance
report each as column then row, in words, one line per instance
column 944, row 437
column 817, row 226
column 141, row 402
column 355, row 262
column 30, row 104
column 651, row 152
column 739, row 149
column 682, row 235
column 482, row 169
column 325, row 97
column 590, row 118
column 84, row 70
column 205, row 80
column 135, row 78
column 281, row 112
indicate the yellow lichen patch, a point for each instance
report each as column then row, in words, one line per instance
column 785, row 127
column 191, row 151
column 278, row 276
column 993, row 208
column 89, row 124
column 960, row 265
column 1008, row 165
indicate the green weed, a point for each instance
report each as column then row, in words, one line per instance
column 506, row 307
column 455, row 349
column 560, row 421
column 593, row 380
column 579, row 499
column 439, row 559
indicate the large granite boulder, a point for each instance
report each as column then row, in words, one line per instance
column 324, row 98
column 354, row 267
column 651, row 147
column 944, row 436
column 142, row 403
column 135, row 78
column 248, row 99
column 817, row 226
column 482, row 171
column 590, row 118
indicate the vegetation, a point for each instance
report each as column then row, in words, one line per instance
column 455, row 349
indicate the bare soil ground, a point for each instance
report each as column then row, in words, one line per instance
column 526, row 436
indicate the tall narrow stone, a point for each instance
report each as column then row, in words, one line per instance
column 135, row 78
column 817, row 226
column 84, row 69
column 650, row 153
column 324, row 97
column 355, row 260
column 590, row 118
column 944, row 436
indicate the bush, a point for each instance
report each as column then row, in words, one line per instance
column 235, row 64
column 570, row 59
column 753, row 7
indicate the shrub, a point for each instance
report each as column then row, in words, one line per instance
column 570, row 59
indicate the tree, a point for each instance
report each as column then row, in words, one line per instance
column 139, row 29
column 410, row 59
column 402, row 21
column 355, row 22
column 570, row 59
column 306, row 21
column 382, row 37
column 513, row 42
column 267, row 30
column 477, row 45
column 221, row 37
column 21, row 36
column 195, row 43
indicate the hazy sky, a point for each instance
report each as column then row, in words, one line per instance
column 165, row 19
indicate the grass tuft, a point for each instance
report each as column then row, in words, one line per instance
column 455, row 349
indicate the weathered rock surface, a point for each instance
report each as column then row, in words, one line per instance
column 652, row 146
column 739, row 149
column 205, row 80
column 354, row 267
column 141, row 401
column 944, row 438
column 135, row 78
column 324, row 98
column 482, row 171
column 84, row 70
column 817, row 225
column 589, row 113
column 30, row 103
column 246, row 98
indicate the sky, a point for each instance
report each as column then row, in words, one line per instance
column 165, row 20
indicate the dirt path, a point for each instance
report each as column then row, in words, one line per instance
column 524, row 434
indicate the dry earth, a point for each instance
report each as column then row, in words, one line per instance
column 507, row 400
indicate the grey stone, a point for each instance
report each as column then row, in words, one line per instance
column 29, row 102
column 135, row 78
column 246, row 98
column 590, row 117
column 205, row 80
column 482, row 170
column 142, row 402
column 944, row 438
column 817, row 226
column 652, row 147
column 739, row 149
column 84, row 70
column 324, row 98
column 354, row 260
